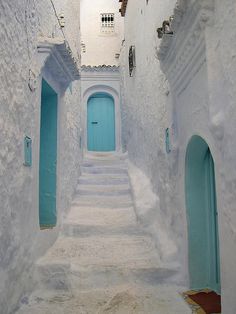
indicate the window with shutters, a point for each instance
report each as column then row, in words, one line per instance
column 107, row 23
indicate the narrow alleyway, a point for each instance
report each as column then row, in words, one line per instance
column 103, row 262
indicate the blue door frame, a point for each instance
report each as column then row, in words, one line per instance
column 101, row 123
column 204, row 257
column 48, row 158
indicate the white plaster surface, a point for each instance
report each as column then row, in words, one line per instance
column 147, row 208
column 146, row 113
column 100, row 48
column 21, row 240
column 198, row 99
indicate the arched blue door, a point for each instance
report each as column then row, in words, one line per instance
column 204, row 260
column 101, row 123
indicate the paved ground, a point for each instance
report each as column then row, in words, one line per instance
column 103, row 262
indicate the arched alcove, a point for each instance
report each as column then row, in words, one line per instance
column 204, row 261
column 110, row 93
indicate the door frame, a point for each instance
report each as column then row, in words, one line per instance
column 196, row 155
column 115, row 95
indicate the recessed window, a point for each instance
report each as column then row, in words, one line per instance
column 132, row 60
column 107, row 23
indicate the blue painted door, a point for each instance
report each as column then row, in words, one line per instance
column 204, row 257
column 101, row 123
column 48, row 158
column 213, row 253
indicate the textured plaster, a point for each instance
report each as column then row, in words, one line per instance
column 195, row 95
column 100, row 48
column 146, row 112
column 21, row 240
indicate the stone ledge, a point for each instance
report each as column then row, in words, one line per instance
column 180, row 52
column 100, row 68
column 57, row 56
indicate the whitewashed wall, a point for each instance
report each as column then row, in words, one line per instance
column 100, row 48
column 146, row 112
column 21, row 241
column 204, row 105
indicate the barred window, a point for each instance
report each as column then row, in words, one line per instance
column 107, row 23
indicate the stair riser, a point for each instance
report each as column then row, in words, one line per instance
column 88, row 231
column 107, row 204
column 103, row 193
column 89, row 279
column 53, row 277
column 103, row 181
column 103, row 170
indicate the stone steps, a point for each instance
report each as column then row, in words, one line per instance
column 103, row 170
column 92, row 262
column 121, row 299
column 104, row 187
column 106, row 179
column 103, row 258
column 109, row 191
column 88, row 221
column 107, row 201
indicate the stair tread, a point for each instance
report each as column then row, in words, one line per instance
column 100, row 216
column 131, row 251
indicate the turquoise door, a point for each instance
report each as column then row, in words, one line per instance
column 101, row 123
column 204, row 260
column 48, row 158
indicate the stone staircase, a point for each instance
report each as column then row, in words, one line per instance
column 103, row 262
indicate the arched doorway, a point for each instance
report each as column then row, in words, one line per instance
column 204, row 261
column 101, row 123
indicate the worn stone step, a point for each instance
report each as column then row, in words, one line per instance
column 107, row 163
column 120, row 201
column 103, row 187
column 104, row 179
column 87, row 191
column 86, row 263
column 63, row 276
column 86, row 221
column 103, row 170
column 125, row 299
column 105, row 251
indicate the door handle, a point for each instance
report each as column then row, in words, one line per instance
column 94, row 122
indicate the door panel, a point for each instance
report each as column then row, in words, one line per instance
column 204, row 257
column 101, row 123
column 214, row 258
column 48, row 158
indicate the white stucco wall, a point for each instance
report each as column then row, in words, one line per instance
column 21, row 240
column 146, row 111
column 100, row 48
column 199, row 101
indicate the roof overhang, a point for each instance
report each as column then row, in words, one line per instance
column 123, row 7
column 56, row 55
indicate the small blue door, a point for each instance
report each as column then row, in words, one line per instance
column 101, row 123
column 202, row 215
column 48, row 158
